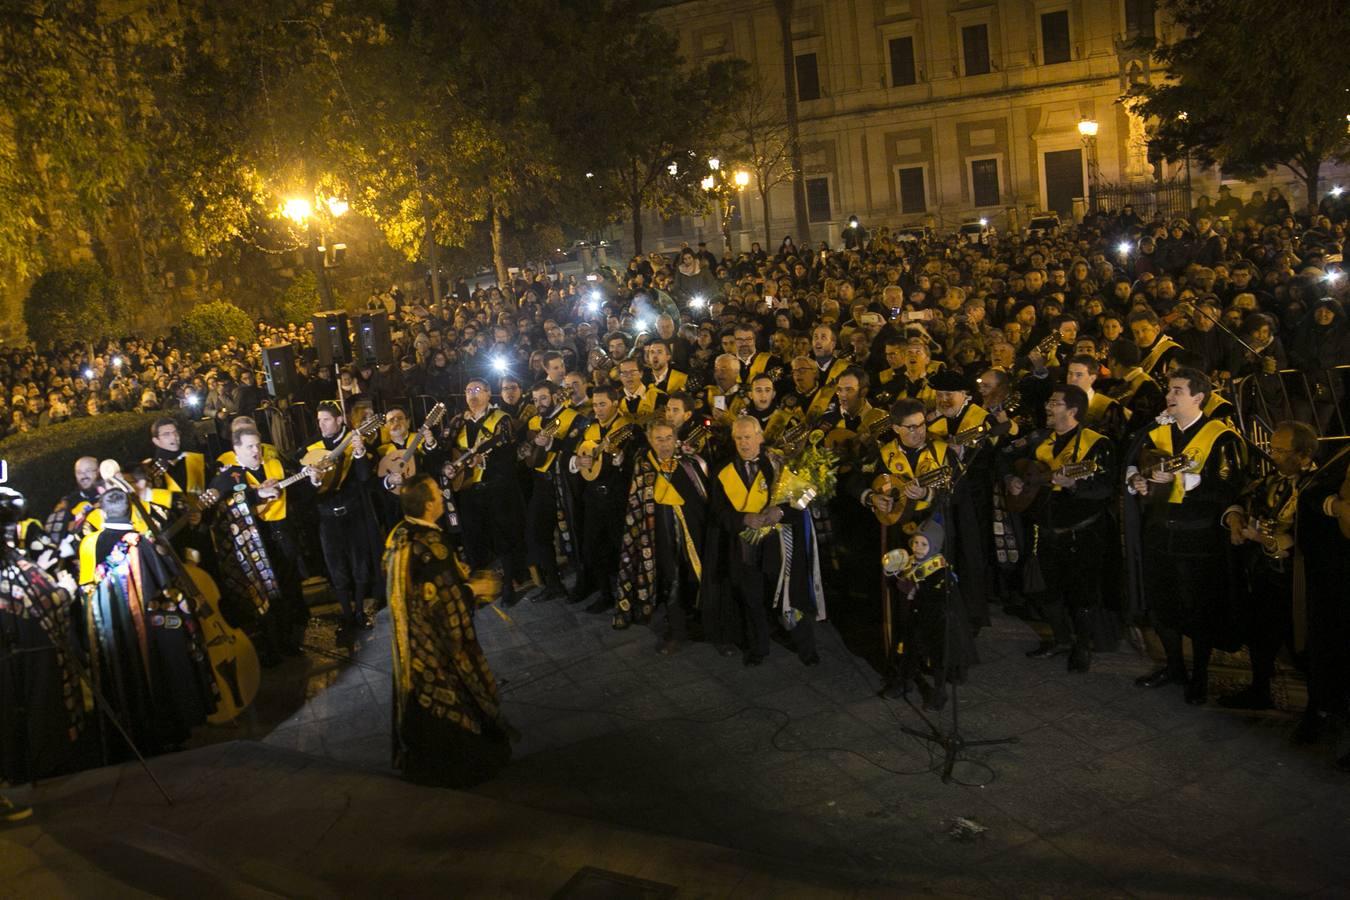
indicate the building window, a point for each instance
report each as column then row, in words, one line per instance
column 808, row 77
column 1055, row 37
column 984, row 182
column 975, row 45
column 1139, row 18
column 902, row 61
column 818, row 200
column 913, row 196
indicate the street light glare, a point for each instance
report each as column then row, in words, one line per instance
column 742, row 178
column 708, row 183
column 337, row 206
column 714, row 164
column 297, row 209
column 1087, row 127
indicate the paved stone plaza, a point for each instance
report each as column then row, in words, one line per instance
column 695, row 772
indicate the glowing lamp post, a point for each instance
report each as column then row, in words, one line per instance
column 1087, row 130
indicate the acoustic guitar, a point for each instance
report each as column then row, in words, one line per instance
column 404, row 462
column 903, row 507
column 611, row 443
column 1035, row 475
column 324, row 461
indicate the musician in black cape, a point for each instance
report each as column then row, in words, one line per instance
column 144, row 643
column 42, row 703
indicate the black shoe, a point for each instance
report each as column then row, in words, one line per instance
column 602, row 604
column 1161, row 677
column 1080, row 659
column 1252, row 697
column 1197, row 691
column 14, row 812
column 811, row 659
column 753, row 659
column 1048, row 649
column 1311, row 727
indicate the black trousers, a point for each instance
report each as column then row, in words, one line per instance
column 491, row 518
column 602, row 514
column 541, row 525
column 284, row 553
column 754, row 591
column 346, row 552
column 1071, row 562
column 1185, row 580
column 1270, row 617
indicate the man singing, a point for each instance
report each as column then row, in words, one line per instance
column 448, row 726
column 659, row 562
column 1182, row 539
column 1072, row 524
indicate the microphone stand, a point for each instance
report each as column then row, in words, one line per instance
column 952, row 742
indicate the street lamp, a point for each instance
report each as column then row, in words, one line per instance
column 297, row 209
column 714, row 163
column 742, row 178
column 708, row 183
column 1087, row 130
column 337, row 206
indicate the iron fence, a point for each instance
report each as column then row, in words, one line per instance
column 1171, row 198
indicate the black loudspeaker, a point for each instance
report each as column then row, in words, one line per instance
column 332, row 338
column 279, row 369
column 373, row 347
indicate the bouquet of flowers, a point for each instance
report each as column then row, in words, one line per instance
column 807, row 477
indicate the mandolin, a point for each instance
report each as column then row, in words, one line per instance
column 903, row 507
column 456, row 472
column 1035, row 475
column 404, row 462
column 324, row 461
column 550, row 430
column 969, row 437
column 611, row 444
column 697, row 437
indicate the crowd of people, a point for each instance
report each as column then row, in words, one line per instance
column 918, row 431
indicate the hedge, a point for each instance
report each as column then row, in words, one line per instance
column 41, row 463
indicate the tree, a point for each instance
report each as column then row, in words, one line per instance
column 784, row 8
column 1250, row 87
column 759, row 139
column 78, row 303
column 208, row 325
column 644, row 132
column 300, row 301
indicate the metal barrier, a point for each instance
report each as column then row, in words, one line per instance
column 1316, row 397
